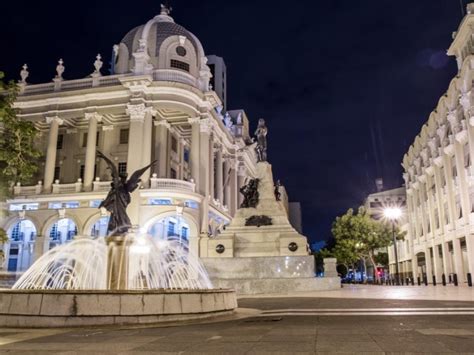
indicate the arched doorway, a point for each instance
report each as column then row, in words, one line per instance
column 170, row 227
column 20, row 253
column 62, row 231
column 99, row 228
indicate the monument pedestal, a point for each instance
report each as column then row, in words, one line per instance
column 261, row 252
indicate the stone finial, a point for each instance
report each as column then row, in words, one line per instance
column 165, row 10
column 60, row 69
column 98, row 65
column 24, row 73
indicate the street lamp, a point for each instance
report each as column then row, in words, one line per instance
column 393, row 214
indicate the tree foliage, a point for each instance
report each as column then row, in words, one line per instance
column 18, row 154
column 358, row 237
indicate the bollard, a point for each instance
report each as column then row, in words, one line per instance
column 469, row 279
column 418, row 279
column 425, row 280
column 434, row 280
column 401, row 281
column 412, row 281
column 455, row 279
column 407, row 281
column 450, row 278
column 443, row 278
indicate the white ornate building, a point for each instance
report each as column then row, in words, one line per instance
column 439, row 176
column 156, row 104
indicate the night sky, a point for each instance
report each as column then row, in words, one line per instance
column 344, row 85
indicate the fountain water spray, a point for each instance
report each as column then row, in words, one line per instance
column 140, row 263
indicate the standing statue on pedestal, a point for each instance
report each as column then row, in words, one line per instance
column 277, row 190
column 118, row 197
column 261, row 148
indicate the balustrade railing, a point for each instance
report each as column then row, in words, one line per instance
column 107, row 80
column 100, row 186
column 171, row 184
column 18, row 189
column 67, row 188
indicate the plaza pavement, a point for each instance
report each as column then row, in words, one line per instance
column 349, row 320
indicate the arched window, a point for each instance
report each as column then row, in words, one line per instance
column 20, row 250
column 63, row 231
column 172, row 227
column 99, row 228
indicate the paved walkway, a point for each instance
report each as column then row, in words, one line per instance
column 440, row 293
column 281, row 325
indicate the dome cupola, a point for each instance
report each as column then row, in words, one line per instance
column 159, row 46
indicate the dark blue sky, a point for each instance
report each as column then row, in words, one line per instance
column 328, row 76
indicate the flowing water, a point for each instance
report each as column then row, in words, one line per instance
column 150, row 264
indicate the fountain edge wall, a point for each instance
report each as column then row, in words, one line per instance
column 64, row 308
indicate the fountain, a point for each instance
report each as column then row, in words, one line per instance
column 125, row 278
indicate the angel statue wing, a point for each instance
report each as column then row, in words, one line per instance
column 132, row 183
column 110, row 165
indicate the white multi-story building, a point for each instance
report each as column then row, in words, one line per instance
column 156, row 105
column 439, row 176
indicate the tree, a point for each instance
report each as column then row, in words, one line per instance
column 358, row 236
column 18, row 155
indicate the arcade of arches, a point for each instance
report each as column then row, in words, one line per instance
column 20, row 249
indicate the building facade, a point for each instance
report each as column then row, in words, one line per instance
column 439, row 177
column 156, row 105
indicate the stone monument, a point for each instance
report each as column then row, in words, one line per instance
column 260, row 251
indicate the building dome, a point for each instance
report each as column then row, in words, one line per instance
column 160, row 44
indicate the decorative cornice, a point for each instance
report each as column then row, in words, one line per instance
column 438, row 161
column 163, row 123
column 206, row 125
column 89, row 115
column 430, row 170
column 51, row 119
column 193, row 120
column 449, row 150
column 461, row 137
column 136, row 112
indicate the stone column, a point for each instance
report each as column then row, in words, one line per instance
column 195, row 146
column 219, row 176
column 212, row 191
column 470, row 253
column 463, row 184
column 233, row 188
column 241, row 174
column 147, row 136
column 447, row 269
column 182, row 145
column 428, row 264
column 439, row 194
column 437, row 263
column 162, row 129
column 227, row 194
column 458, row 261
column 448, row 172
column 89, row 164
column 470, row 131
column 51, row 151
column 135, row 150
column 205, row 128
column 39, row 247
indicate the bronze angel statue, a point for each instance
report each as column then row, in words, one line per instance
column 118, row 197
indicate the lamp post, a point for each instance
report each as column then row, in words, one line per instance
column 393, row 214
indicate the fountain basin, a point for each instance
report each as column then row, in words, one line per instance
column 73, row 308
